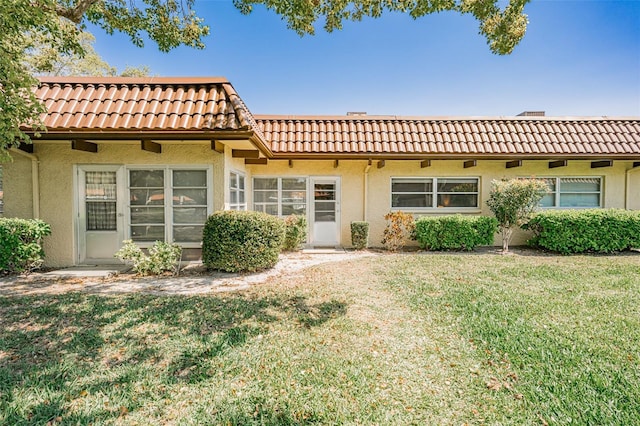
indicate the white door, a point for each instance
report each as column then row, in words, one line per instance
column 325, row 211
column 100, row 218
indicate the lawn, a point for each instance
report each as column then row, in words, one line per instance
column 394, row 339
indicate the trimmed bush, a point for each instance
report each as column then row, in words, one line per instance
column 584, row 231
column 455, row 232
column 360, row 235
column 162, row 257
column 242, row 241
column 21, row 244
column 295, row 232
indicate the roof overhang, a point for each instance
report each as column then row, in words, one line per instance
column 416, row 156
column 108, row 136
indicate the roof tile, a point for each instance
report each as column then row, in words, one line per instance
column 201, row 104
column 497, row 136
column 149, row 103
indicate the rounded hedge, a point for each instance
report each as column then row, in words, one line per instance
column 359, row 235
column 21, row 244
column 239, row 241
column 455, row 232
column 585, row 231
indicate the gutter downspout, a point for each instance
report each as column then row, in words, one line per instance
column 366, row 191
column 35, row 180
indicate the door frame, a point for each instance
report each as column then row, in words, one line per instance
column 324, row 179
column 79, row 211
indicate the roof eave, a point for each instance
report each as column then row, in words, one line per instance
column 465, row 156
column 128, row 134
column 159, row 135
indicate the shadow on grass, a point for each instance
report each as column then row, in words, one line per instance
column 59, row 352
column 315, row 315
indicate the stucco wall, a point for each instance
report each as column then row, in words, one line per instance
column 379, row 183
column 351, row 174
column 56, row 182
column 18, row 187
column 633, row 188
column 57, row 197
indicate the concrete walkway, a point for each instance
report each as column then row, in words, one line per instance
column 88, row 271
column 193, row 278
column 105, row 271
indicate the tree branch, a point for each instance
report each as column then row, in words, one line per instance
column 75, row 14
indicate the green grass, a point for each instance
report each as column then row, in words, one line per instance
column 397, row 339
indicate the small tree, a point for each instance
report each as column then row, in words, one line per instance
column 513, row 201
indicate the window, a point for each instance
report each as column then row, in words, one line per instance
column 236, row 192
column 573, row 192
column 280, row 196
column 1, row 194
column 153, row 218
column 427, row 193
column 100, row 201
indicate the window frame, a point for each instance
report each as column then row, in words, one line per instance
column 238, row 191
column 168, row 207
column 92, row 200
column 434, row 194
column 279, row 191
column 558, row 192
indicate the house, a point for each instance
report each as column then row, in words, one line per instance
column 150, row 158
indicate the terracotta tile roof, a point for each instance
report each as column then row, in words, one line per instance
column 478, row 137
column 177, row 108
column 143, row 104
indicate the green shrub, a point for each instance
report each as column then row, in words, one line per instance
column 455, row 232
column 295, row 232
column 359, row 235
column 400, row 228
column 242, row 241
column 21, row 244
column 582, row 231
column 162, row 257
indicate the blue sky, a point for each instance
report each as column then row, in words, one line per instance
column 578, row 58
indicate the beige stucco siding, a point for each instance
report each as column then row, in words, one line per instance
column 378, row 200
column 351, row 174
column 18, row 187
column 57, row 162
column 633, row 188
column 621, row 183
column 380, row 184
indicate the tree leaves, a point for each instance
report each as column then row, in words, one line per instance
column 171, row 23
column 513, row 201
column 503, row 28
column 54, row 28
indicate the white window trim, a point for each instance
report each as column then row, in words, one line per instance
column 434, row 207
column 557, row 192
column 168, row 195
column 238, row 206
column 279, row 189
